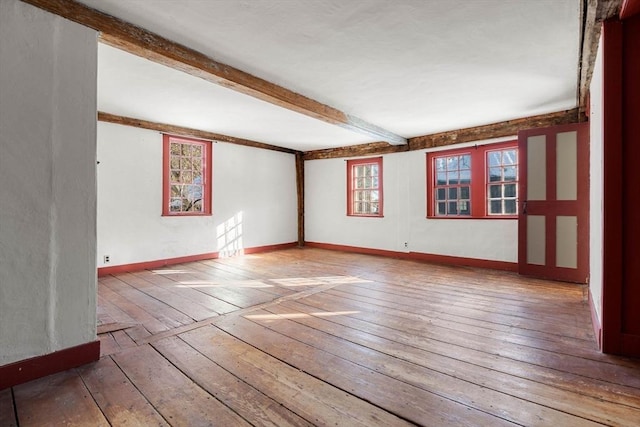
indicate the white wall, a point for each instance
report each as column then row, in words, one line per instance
column 596, row 185
column 404, row 214
column 47, row 176
column 251, row 186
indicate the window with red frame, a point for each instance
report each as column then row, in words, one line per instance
column 186, row 178
column 364, row 187
column 473, row 182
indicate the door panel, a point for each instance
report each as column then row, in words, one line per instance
column 553, row 229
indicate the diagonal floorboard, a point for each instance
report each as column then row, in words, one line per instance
column 314, row 337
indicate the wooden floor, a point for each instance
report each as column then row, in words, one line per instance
column 312, row 337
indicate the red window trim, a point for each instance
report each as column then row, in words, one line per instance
column 207, row 175
column 356, row 162
column 478, row 180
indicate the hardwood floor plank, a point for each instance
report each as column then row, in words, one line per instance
column 391, row 380
column 410, row 304
column 108, row 345
column 57, row 400
column 401, row 360
column 7, row 411
column 174, row 300
column 332, row 338
column 256, row 407
column 188, row 290
column 176, row 397
column 160, row 310
column 135, row 313
column 119, row 400
column 491, row 344
column 448, row 354
column 314, row 400
column 207, row 274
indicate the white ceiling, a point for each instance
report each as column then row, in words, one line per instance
column 413, row 67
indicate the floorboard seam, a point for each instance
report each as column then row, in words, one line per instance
column 240, row 312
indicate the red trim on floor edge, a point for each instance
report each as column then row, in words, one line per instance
column 40, row 366
column 419, row 256
column 146, row 265
column 595, row 322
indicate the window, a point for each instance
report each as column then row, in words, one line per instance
column 186, row 180
column 453, row 185
column 502, row 182
column 364, row 187
column 473, row 182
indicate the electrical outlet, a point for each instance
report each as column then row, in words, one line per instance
column 406, row 244
column 106, row 259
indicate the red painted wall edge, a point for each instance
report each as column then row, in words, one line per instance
column 420, row 256
column 40, row 366
column 138, row 266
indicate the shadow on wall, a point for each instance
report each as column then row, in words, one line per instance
column 229, row 236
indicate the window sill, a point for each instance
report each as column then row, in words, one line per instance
column 493, row 217
column 364, row 216
column 170, row 215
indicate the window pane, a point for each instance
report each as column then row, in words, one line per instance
column 374, row 182
column 453, row 208
column 464, row 193
column 465, row 162
column 196, row 150
column 510, row 157
column 495, row 191
column 176, row 191
column 495, row 174
column 186, row 149
column 441, row 208
column 452, row 163
column 175, row 148
column 452, row 178
column 453, row 193
column 510, row 207
column 374, row 195
column 510, row 173
column 374, row 208
column 510, row 190
column 440, row 194
column 441, row 165
column 175, row 205
column 495, row 158
column 374, row 170
column 464, row 207
column 175, row 163
column 495, row 206
column 441, row 178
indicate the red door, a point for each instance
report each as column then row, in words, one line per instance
column 553, row 221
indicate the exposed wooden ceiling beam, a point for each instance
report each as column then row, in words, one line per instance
column 373, row 148
column 595, row 11
column 140, row 42
column 478, row 133
column 182, row 131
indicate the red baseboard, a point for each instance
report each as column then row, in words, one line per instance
column 419, row 256
column 40, row 366
column 595, row 322
column 146, row 265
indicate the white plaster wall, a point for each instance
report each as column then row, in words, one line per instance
column 596, row 185
column 404, row 215
column 48, row 191
column 253, row 187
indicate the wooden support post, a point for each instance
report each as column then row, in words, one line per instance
column 300, row 191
